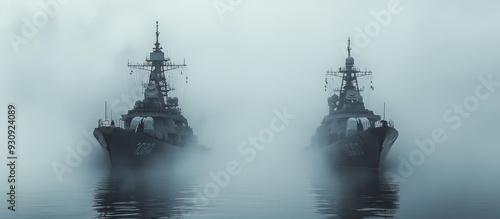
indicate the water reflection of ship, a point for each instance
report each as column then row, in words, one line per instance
column 362, row 193
column 143, row 196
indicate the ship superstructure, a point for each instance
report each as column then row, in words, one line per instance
column 350, row 134
column 155, row 128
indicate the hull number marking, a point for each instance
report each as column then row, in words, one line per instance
column 144, row 148
column 353, row 149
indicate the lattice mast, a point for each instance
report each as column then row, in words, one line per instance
column 349, row 88
column 157, row 65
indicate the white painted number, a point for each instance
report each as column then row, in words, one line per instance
column 144, row 148
column 353, row 149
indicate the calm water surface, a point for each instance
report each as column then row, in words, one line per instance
column 288, row 189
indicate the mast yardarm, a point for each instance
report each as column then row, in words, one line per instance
column 157, row 65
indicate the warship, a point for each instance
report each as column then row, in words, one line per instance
column 155, row 129
column 351, row 135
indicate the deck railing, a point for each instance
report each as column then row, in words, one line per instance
column 108, row 123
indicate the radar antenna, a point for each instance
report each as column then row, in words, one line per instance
column 157, row 64
column 349, row 47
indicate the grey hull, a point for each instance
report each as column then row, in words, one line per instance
column 364, row 149
column 131, row 149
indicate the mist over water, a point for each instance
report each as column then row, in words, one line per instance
column 430, row 63
column 281, row 182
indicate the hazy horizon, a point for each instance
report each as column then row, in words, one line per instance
column 257, row 56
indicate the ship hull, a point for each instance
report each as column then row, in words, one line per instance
column 366, row 149
column 131, row 149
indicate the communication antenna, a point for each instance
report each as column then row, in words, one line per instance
column 384, row 110
column 105, row 110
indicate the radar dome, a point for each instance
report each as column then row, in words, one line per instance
column 138, row 104
column 174, row 100
column 349, row 60
column 151, row 91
